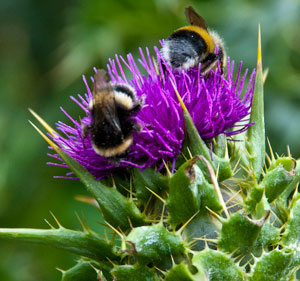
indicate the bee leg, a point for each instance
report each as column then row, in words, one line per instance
column 85, row 130
column 137, row 127
column 220, row 59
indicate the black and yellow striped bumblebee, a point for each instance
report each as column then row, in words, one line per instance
column 111, row 109
column 190, row 45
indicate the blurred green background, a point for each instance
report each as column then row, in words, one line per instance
column 45, row 47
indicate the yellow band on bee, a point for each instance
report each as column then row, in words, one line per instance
column 203, row 33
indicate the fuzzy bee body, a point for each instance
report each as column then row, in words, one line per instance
column 190, row 45
column 112, row 128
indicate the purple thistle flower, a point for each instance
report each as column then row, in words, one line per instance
column 215, row 104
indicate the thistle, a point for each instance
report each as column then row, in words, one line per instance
column 196, row 197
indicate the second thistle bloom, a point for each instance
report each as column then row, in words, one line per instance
column 215, row 103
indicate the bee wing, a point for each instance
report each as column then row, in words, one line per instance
column 100, row 81
column 105, row 110
column 194, row 18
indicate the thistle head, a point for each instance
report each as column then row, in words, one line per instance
column 214, row 101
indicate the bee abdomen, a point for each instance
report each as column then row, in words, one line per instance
column 115, row 150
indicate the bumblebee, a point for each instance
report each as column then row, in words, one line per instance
column 111, row 130
column 193, row 44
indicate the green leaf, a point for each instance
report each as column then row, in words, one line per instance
column 151, row 179
column 238, row 234
column 87, row 244
column 202, row 225
column 288, row 163
column 216, row 266
column 83, row 271
column 254, row 196
column 268, row 236
column 116, row 209
column 183, row 201
column 292, row 229
column 271, row 266
column 286, row 193
column 276, row 181
column 134, row 273
column 189, row 193
column 256, row 143
column 198, row 147
column 179, row 272
column 220, row 145
column 155, row 243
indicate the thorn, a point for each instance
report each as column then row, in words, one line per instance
column 185, row 159
column 130, row 223
column 214, row 213
column 288, row 151
column 113, row 181
column 50, row 142
column 87, row 199
column 125, row 188
column 60, row 270
column 233, row 196
column 56, row 220
column 236, row 172
column 156, row 195
column 265, row 75
column 44, row 123
column 271, row 150
column 173, row 262
column 147, row 204
column 167, row 168
column 95, row 268
column 184, row 109
column 103, row 224
column 229, row 187
column 187, row 222
column 217, row 171
column 233, row 205
column 86, row 223
column 215, row 184
column 265, row 166
column 295, row 190
column 49, row 224
column 268, row 159
column 238, row 258
column 206, row 239
column 189, row 152
column 259, row 59
column 112, row 237
column 250, row 172
column 160, row 270
column 162, row 213
column 110, row 261
column 236, row 165
column 192, row 244
column 226, row 149
column 81, row 223
column 115, row 230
